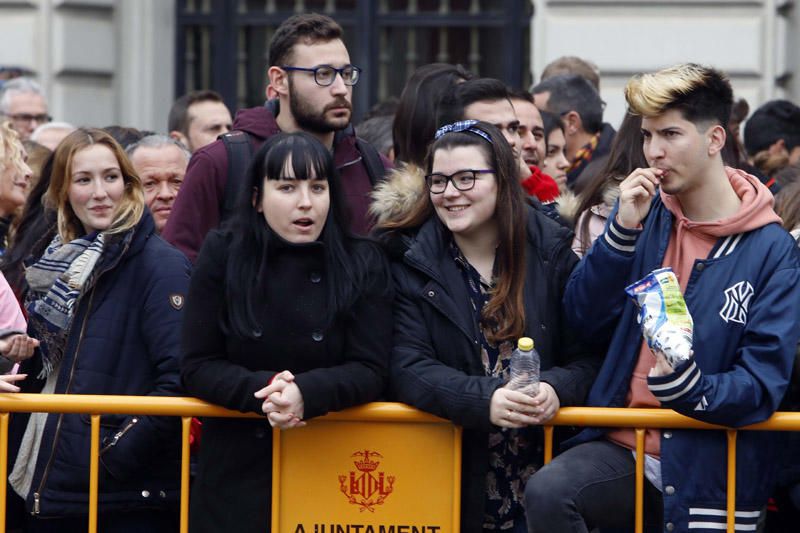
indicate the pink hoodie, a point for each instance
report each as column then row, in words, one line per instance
column 688, row 242
column 11, row 318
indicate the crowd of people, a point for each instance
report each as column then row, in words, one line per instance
column 289, row 263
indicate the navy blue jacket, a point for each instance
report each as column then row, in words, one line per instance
column 124, row 339
column 436, row 361
column 745, row 302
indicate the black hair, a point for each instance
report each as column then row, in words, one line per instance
column 415, row 119
column 520, row 94
column 571, row 92
column 709, row 103
column 178, row 119
column 377, row 131
column 127, row 136
column 349, row 260
column 461, row 95
column 307, row 28
column 773, row 121
column 550, row 122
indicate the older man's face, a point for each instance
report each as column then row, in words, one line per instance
column 26, row 111
column 161, row 170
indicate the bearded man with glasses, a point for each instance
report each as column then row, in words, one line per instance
column 311, row 74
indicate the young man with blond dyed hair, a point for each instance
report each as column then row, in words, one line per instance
column 739, row 272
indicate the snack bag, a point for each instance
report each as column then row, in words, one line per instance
column 666, row 323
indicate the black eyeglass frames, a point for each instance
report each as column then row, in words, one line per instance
column 324, row 75
column 463, row 180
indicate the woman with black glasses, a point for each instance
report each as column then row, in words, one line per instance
column 484, row 270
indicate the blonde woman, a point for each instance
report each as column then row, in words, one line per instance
column 15, row 177
column 105, row 301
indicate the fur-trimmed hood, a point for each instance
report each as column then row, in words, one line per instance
column 568, row 202
column 396, row 196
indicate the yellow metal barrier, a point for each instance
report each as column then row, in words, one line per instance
column 399, row 474
column 640, row 419
column 186, row 408
column 105, row 405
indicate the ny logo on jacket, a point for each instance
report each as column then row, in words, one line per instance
column 737, row 301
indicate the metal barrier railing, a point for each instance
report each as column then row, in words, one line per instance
column 641, row 419
column 98, row 405
column 186, row 408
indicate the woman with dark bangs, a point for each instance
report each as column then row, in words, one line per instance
column 483, row 270
column 289, row 316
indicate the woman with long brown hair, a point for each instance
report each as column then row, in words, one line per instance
column 596, row 201
column 483, row 270
column 787, row 205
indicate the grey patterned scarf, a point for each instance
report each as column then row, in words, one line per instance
column 56, row 280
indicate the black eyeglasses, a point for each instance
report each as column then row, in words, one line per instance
column 463, row 180
column 324, row 75
column 25, row 117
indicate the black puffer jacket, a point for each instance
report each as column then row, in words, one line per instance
column 436, row 362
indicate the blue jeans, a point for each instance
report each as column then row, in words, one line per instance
column 589, row 486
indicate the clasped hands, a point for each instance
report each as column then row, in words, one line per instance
column 510, row 408
column 283, row 402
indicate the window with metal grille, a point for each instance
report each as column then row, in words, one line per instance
column 223, row 44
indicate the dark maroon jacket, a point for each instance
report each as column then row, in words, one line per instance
column 198, row 206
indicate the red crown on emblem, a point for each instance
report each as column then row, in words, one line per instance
column 365, row 464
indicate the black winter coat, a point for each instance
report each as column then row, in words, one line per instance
column 124, row 339
column 436, row 362
column 335, row 367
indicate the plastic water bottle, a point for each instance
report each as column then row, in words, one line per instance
column 525, row 368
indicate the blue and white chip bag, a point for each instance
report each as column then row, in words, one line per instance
column 666, row 323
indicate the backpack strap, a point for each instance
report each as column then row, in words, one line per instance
column 240, row 152
column 372, row 161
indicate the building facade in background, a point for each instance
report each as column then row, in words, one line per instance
column 106, row 62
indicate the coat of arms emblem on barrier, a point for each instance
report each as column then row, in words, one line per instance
column 366, row 487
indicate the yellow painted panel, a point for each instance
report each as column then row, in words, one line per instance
column 367, row 477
